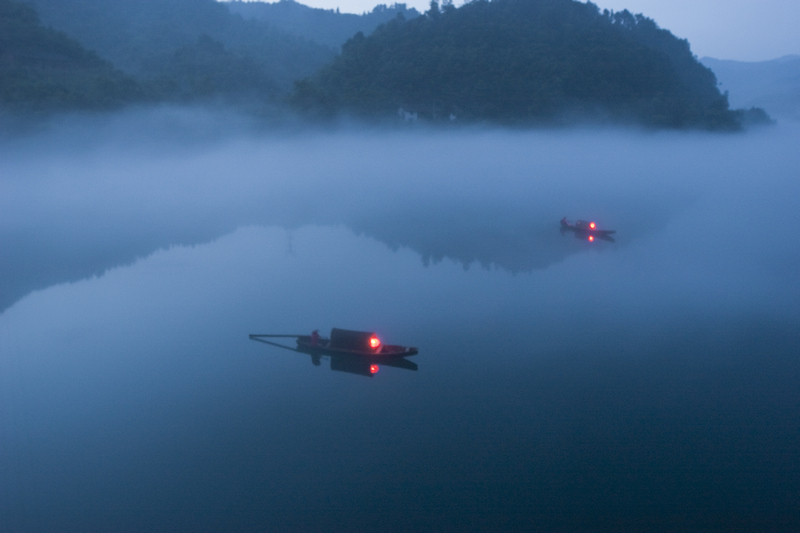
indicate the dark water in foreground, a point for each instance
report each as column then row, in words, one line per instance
column 652, row 384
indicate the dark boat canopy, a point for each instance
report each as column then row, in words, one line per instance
column 346, row 339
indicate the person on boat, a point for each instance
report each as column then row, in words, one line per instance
column 315, row 337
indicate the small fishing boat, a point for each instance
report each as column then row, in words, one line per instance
column 348, row 342
column 355, row 352
column 586, row 230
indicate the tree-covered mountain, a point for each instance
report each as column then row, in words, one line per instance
column 206, row 70
column 149, row 38
column 518, row 62
column 324, row 26
column 43, row 69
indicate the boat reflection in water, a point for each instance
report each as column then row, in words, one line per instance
column 355, row 352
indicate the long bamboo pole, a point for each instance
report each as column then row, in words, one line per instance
column 276, row 336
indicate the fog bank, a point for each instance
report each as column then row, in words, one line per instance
column 80, row 199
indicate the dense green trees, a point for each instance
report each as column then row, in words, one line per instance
column 521, row 61
column 502, row 61
column 42, row 69
column 204, row 70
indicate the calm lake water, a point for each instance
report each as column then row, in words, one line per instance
column 650, row 384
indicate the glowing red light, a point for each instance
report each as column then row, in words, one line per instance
column 374, row 342
column 592, row 225
column 373, row 369
column 591, row 238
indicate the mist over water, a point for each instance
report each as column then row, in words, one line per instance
column 646, row 384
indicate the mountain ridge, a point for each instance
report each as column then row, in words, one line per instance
column 773, row 84
column 140, row 37
column 325, row 26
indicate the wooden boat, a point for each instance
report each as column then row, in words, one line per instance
column 355, row 352
column 348, row 342
column 586, row 230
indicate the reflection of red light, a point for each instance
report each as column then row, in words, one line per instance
column 374, row 342
column 373, row 369
column 591, row 238
column 592, row 225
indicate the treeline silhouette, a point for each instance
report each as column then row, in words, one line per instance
column 505, row 61
column 166, row 50
column 520, row 62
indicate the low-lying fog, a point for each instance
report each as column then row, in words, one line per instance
column 138, row 252
column 709, row 211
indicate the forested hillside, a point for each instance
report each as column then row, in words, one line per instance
column 505, row 61
column 153, row 41
column 43, row 69
column 323, row 26
column 518, row 62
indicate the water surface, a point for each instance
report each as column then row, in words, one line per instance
column 643, row 385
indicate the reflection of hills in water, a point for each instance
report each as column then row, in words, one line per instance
column 515, row 241
column 31, row 263
column 516, row 248
column 491, row 198
column 34, row 262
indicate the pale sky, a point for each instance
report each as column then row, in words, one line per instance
column 745, row 30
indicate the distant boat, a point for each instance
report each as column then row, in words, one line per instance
column 586, row 230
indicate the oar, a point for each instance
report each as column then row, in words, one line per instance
column 257, row 339
column 276, row 336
